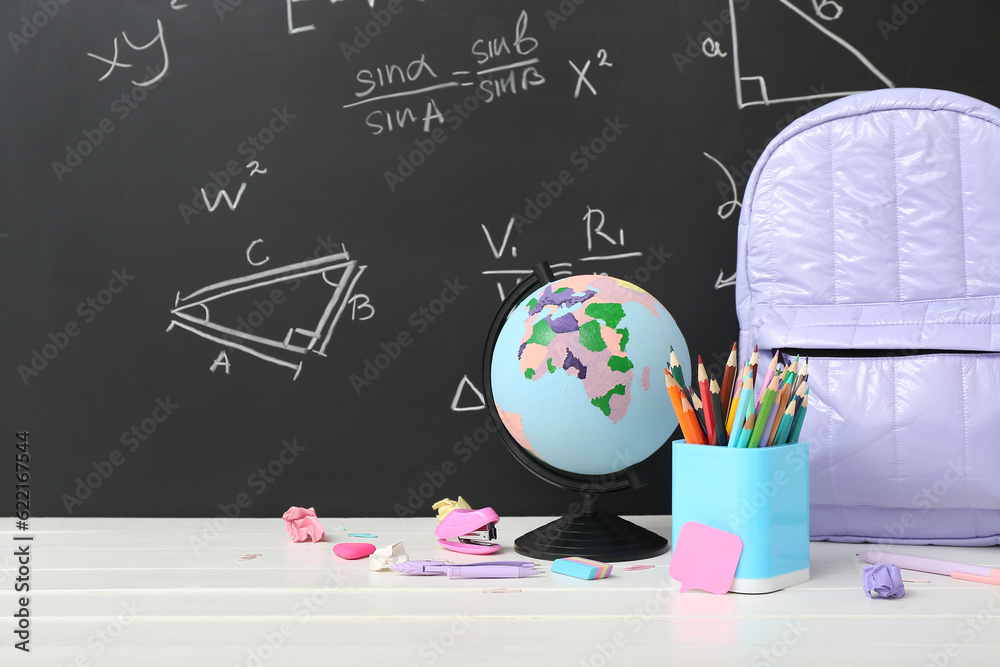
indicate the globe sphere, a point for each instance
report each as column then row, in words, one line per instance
column 577, row 374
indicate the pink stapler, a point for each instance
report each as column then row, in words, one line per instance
column 473, row 530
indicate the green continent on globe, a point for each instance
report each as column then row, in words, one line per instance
column 578, row 329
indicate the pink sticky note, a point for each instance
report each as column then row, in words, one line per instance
column 705, row 558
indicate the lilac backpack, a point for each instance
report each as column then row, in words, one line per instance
column 869, row 241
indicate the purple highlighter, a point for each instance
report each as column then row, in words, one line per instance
column 498, row 569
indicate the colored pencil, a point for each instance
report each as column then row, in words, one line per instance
column 706, row 401
column 768, row 374
column 737, row 390
column 677, row 371
column 780, row 403
column 689, row 426
column 800, row 393
column 743, row 407
column 728, row 378
column 803, row 372
column 746, row 431
column 697, row 435
column 765, row 410
column 785, row 425
column 753, row 367
column 796, row 429
column 699, row 411
column 674, row 391
column 717, row 412
column 791, row 371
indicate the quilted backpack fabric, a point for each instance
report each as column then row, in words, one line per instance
column 869, row 241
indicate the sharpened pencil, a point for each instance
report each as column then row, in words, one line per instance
column 698, row 436
column 733, row 404
column 748, row 426
column 687, row 418
column 785, row 425
column 796, row 429
column 720, row 422
column 743, row 407
column 780, row 403
column 706, row 401
column 728, row 378
column 765, row 410
column 768, row 374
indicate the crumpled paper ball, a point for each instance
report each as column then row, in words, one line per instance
column 302, row 524
column 882, row 581
column 446, row 505
column 381, row 559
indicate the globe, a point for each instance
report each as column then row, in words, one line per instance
column 577, row 374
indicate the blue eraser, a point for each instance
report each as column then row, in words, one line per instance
column 581, row 568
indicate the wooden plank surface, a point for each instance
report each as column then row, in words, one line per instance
column 172, row 592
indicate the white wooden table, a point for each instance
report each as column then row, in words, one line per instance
column 151, row 592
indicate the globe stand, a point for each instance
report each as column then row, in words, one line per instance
column 591, row 534
column 583, row 532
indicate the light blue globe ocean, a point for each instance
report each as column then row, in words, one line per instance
column 577, row 374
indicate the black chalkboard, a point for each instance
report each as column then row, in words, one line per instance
column 388, row 169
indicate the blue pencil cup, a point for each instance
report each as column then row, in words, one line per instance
column 761, row 495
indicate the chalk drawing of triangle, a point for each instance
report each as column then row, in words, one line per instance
column 467, row 397
column 831, row 57
column 338, row 272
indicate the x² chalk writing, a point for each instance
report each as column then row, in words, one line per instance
column 88, row 310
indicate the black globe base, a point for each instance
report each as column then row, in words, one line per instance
column 591, row 534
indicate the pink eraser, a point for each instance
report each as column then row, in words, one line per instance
column 705, row 558
column 581, row 568
column 353, row 550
